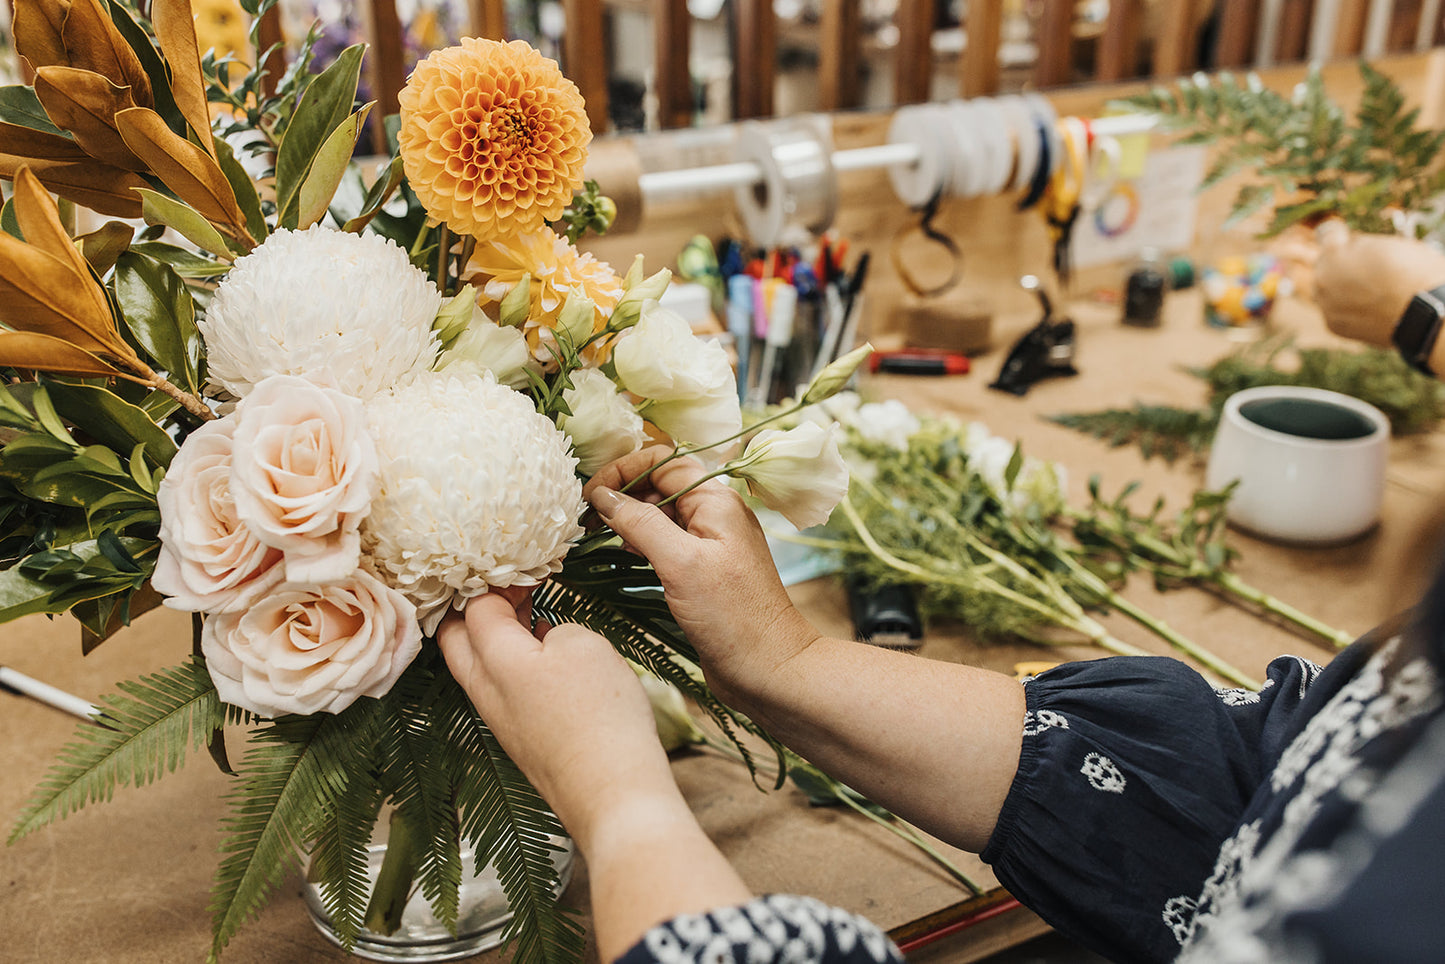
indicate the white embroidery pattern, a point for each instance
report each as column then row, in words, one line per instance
column 757, row 933
column 1237, row 697
column 1102, row 774
column 1179, row 916
column 1036, row 723
column 1254, row 887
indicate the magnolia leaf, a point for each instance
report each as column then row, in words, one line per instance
column 36, row 29
column 325, row 105
column 102, row 246
column 243, row 187
column 21, row 596
column 20, row 106
column 41, row 294
column 39, row 220
column 189, row 171
column 110, row 419
column 159, row 310
column 140, row 40
column 67, row 170
column 9, row 223
column 102, row 618
column 327, row 169
column 386, row 183
column 185, row 220
column 44, row 353
column 19, row 144
column 176, row 32
column 85, row 104
column 185, row 263
column 92, row 42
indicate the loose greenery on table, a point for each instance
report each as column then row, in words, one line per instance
column 1311, row 160
column 1413, row 402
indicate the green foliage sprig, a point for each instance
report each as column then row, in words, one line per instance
column 1310, row 160
column 1412, row 401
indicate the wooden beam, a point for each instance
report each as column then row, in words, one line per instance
column 913, row 66
column 489, row 19
column 1174, row 51
column 1350, row 28
column 840, row 55
column 586, row 55
column 672, row 48
column 1238, row 20
column 387, row 66
column 979, row 64
column 1294, row 31
column 755, row 58
column 1119, row 44
column 1055, row 42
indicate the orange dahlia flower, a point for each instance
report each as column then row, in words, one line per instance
column 493, row 137
column 556, row 269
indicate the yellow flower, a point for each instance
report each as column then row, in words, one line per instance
column 493, row 137
column 556, row 269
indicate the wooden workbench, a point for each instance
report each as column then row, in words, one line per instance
column 128, row 881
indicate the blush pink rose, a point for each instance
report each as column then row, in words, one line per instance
column 303, row 474
column 209, row 560
column 312, row 649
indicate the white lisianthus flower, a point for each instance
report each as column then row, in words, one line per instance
column 477, row 490
column 341, row 309
column 886, row 423
column 689, row 383
column 603, row 425
column 799, row 473
column 303, row 473
column 312, row 649
column 486, row 346
column 209, row 560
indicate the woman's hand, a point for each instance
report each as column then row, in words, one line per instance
column 564, row 705
column 1364, row 282
column 714, row 564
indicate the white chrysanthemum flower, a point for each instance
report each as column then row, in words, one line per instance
column 343, row 310
column 477, row 490
column 887, row 423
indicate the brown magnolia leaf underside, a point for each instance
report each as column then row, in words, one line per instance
column 85, row 104
column 36, row 352
column 92, row 42
column 186, row 169
column 176, row 31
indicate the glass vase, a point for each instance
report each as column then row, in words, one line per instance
column 483, row 911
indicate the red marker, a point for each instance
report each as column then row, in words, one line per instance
column 918, row 363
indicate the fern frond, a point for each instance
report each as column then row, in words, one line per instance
column 509, row 825
column 146, row 733
column 418, row 783
column 339, row 855
column 296, row 769
column 1161, row 430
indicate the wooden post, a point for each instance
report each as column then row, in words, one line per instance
column 1349, row 36
column 489, row 19
column 387, row 70
column 979, row 66
column 755, row 58
column 1294, row 30
column 585, row 55
column 1055, row 41
column 671, row 50
column 1119, row 44
column 1174, row 52
column 1237, row 22
column 913, row 70
column 840, row 55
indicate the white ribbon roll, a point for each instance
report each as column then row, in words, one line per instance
column 798, row 192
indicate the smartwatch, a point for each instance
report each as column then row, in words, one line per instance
column 1419, row 328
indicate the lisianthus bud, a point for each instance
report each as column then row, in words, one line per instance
column 517, row 304
column 574, row 323
column 634, row 273
column 485, row 346
column 675, row 726
column 831, row 379
column 638, row 293
column 799, row 473
column 455, row 315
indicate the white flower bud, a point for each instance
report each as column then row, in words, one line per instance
column 455, row 315
column 798, row 473
column 517, row 305
column 831, row 379
column 574, row 322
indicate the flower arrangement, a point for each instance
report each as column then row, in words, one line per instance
column 320, row 414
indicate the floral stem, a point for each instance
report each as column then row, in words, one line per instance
column 968, row 882
column 152, row 379
column 682, row 450
column 1231, row 583
column 393, row 881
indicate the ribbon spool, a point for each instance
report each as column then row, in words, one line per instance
column 798, row 191
column 926, row 128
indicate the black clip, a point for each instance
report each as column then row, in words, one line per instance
column 1045, row 350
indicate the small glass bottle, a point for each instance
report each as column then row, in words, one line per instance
column 1144, row 291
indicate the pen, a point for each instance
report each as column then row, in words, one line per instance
column 918, row 363
column 22, row 685
column 740, row 324
column 781, row 308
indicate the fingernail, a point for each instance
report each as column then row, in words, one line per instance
column 605, row 500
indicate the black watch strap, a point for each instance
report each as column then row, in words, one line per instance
column 1419, row 328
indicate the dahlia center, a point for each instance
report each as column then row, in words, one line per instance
column 512, row 129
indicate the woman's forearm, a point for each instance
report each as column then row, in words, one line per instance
column 937, row 743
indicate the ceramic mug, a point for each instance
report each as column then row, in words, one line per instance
column 1310, row 463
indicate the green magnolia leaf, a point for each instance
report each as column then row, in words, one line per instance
column 158, row 308
column 381, row 191
column 325, row 105
column 41, row 583
column 244, row 189
column 189, row 223
column 155, row 68
column 185, row 263
column 9, row 223
column 103, row 245
column 328, row 167
column 20, row 106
